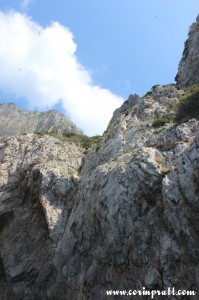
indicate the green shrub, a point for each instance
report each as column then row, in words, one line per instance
column 87, row 142
column 188, row 106
column 149, row 93
column 164, row 119
column 46, row 133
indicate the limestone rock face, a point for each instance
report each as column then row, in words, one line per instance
column 125, row 216
column 38, row 176
column 14, row 121
column 188, row 70
column 135, row 220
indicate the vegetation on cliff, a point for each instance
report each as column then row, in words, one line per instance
column 188, row 106
column 84, row 141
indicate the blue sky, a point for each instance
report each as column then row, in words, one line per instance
column 115, row 48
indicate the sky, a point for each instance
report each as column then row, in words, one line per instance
column 85, row 58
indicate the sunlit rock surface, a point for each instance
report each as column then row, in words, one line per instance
column 125, row 216
column 188, row 70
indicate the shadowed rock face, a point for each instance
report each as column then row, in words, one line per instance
column 14, row 121
column 125, row 216
column 38, row 179
column 188, row 70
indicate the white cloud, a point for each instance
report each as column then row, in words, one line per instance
column 25, row 4
column 40, row 65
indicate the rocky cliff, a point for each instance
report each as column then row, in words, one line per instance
column 188, row 71
column 14, row 121
column 124, row 216
column 39, row 175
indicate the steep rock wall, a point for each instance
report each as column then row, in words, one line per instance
column 38, row 175
column 188, row 70
column 135, row 222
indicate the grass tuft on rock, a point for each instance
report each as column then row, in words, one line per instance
column 165, row 169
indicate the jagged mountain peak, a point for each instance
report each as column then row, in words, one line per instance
column 14, row 121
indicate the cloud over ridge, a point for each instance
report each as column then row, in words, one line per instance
column 40, row 64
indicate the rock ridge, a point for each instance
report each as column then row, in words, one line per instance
column 14, row 121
